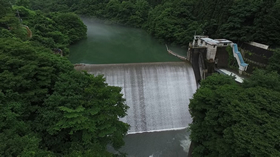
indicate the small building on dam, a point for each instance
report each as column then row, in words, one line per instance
column 209, row 55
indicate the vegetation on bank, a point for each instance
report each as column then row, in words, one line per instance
column 176, row 21
column 237, row 120
column 46, row 107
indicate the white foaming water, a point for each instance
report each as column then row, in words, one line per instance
column 185, row 144
column 157, row 93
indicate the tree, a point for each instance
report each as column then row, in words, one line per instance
column 9, row 24
column 81, row 114
column 274, row 62
column 25, row 3
column 237, row 20
column 112, row 9
column 5, row 7
column 39, row 117
column 26, row 78
column 172, row 22
column 233, row 120
column 71, row 25
column 49, row 109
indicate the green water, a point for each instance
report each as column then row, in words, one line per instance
column 117, row 44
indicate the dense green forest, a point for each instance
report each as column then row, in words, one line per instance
column 49, row 109
column 176, row 21
column 237, row 120
column 46, row 107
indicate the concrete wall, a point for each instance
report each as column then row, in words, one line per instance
column 222, row 56
column 256, row 50
column 211, row 52
column 263, row 46
column 197, row 53
column 194, row 59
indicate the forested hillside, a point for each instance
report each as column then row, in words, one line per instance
column 239, row 120
column 234, row 120
column 49, row 109
column 176, row 21
column 46, row 107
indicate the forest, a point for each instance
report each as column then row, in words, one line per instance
column 46, row 107
column 176, row 21
column 39, row 117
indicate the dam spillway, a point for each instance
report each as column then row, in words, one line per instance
column 157, row 93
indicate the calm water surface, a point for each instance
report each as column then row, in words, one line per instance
column 107, row 44
column 157, row 144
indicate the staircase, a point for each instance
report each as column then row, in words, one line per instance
column 242, row 65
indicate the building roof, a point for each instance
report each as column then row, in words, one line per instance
column 210, row 41
column 223, row 40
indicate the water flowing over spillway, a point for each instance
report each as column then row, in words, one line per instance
column 157, row 93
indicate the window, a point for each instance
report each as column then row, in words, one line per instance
column 225, row 44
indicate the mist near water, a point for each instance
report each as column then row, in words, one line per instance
column 107, row 44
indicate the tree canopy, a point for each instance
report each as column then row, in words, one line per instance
column 46, row 107
column 237, row 120
column 49, row 109
column 176, row 21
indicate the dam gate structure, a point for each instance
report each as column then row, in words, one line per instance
column 207, row 55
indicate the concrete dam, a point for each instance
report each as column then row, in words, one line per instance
column 157, row 93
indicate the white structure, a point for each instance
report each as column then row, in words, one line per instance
column 237, row 78
column 263, row 46
column 212, row 44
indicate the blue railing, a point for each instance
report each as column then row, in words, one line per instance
column 235, row 48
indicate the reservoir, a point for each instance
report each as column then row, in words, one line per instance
column 107, row 44
column 156, row 85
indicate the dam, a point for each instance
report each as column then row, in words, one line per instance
column 157, row 93
column 156, row 85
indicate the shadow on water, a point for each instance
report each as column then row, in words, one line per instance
column 118, row 44
column 157, row 144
